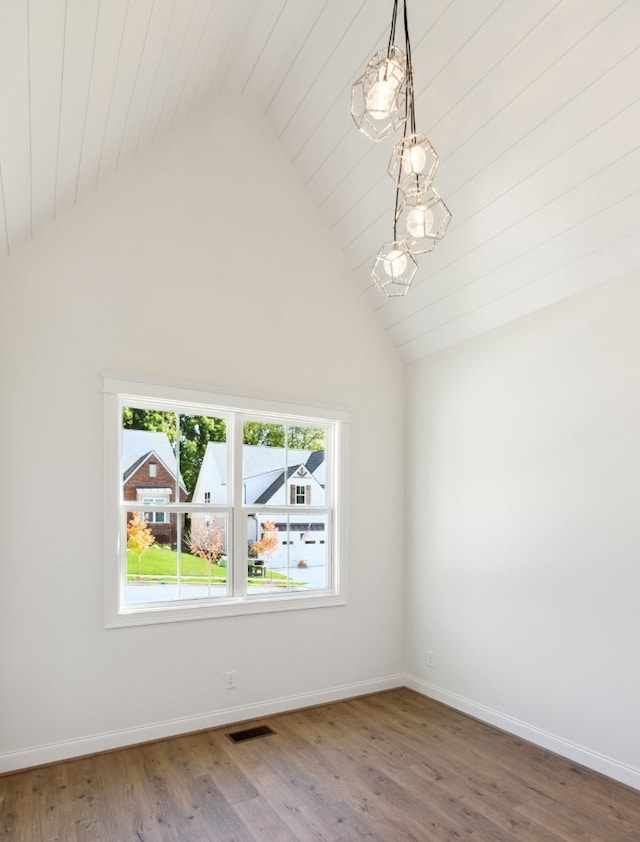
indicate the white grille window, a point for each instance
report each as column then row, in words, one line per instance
column 223, row 534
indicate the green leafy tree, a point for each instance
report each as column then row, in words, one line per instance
column 305, row 438
column 196, row 431
column 275, row 435
column 192, row 433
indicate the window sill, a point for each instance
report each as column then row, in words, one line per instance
column 179, row 612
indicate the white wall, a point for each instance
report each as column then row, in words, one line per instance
column 203, row 262
column 524, row 545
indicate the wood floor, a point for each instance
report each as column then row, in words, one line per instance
column 390, row 766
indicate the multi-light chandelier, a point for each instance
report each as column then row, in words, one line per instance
column 383, row 101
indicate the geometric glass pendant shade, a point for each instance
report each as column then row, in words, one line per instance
column 413, row 164
column 423, row 221
column 394, row 269
column 378, row 97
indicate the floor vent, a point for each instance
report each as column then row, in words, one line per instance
column 250, row 733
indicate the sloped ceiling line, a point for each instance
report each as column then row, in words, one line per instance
column 316, row 79
column 298, row 54
column 156, row 74
column 113, row 85
column 264, row 46
column 86, row 104
column 59, row 131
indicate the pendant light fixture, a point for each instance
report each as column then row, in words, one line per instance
column 382, row 101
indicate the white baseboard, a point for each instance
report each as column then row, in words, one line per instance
column 572, row 751
column 54, row 752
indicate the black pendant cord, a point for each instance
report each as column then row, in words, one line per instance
column 395, row 216
column 410, row 99
column 410, row 112
column 411, row 103
column 392, row 33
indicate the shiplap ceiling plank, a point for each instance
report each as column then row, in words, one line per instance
column 211, row 40
column 46, row 88
column 154, row 22
column 260, row 28
column 232, row 24
column 328, row 89
column 292, row 26
column 112, row 20
column 173, row 40
column 533, row 108
column 15, row 143
column 333, row 18
column 534, row 55
column 80, row 29
column 130, row 56
column 190, row 45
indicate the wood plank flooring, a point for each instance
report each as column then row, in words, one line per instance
column 390, row 766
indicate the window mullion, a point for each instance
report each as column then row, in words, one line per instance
column 239, row 566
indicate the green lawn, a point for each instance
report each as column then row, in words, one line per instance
column 159, row 563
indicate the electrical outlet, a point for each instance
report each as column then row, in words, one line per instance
column 230, row 680
column 429, row 658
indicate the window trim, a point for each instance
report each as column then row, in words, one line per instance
column 119, row 390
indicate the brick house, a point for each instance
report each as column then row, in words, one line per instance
column 149, row 476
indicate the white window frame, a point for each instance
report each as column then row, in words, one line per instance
column 120, row 391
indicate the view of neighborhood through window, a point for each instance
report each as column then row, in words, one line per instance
column 180, row 502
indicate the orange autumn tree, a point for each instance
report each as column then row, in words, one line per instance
column 268, row 543
column 139, row 536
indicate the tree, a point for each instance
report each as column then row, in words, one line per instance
column 275, row 435
column 139, row 536
column 206, row 540
column 268, row 542
column 195, row 433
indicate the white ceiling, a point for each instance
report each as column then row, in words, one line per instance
column 534, row 108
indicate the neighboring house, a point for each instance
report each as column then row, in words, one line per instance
column 149, row 476
column 278, row 477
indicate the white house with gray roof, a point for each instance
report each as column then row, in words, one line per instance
column 278, row 477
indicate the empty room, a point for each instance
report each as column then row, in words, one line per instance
column 319, row 460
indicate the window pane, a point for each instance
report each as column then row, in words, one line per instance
column 282, row 465
column 286, row 552
column 148, row 461
column 177, row 559
column 203, row 458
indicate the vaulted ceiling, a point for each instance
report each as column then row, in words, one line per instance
column 533, row 107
